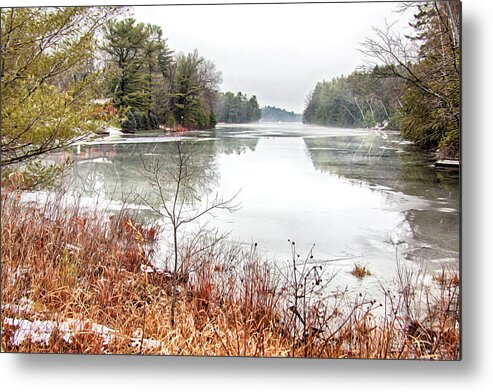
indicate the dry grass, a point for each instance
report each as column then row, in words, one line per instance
column 447, row 279
column 360, row 271
column 75, row 282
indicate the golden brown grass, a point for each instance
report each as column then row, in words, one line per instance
column 84, row 272
column 447, row 279
column 360, row 271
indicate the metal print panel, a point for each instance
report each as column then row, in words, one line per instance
column 177, row 181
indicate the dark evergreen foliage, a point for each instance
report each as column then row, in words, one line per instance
column 237, row 109
column 153, row 121
column 146, row 80
column 129, row 124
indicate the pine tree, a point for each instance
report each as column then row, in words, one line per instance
column 237, row 108
column 129, row 123
column 194, row 90
column 49, row 78
column 125, row 42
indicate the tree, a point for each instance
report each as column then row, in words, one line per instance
column 361, row 99
column 180, row 186
column 163, row 86
column 237, row 108
column 153, row 46
column 271, row 113
column 253, row 112
column 129, row 123
column 126, row 42
column 428, row 62
column 209, row 78
column 194, row 90
column 49, row 78
column 154, row 123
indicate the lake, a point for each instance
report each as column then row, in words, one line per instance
column 361, row 196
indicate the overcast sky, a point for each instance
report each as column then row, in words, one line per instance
column 277, row 52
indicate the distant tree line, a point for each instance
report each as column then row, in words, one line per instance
column 411, row 82
column 271, row 113
column 237, row 109
column 150, row 86
column 361, row 99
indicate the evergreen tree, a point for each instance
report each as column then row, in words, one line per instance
column 126, row 42
column 129, row 124
column 146, row 121
column 194, row 90
column 163, row 85
column 139, row 120
column 154, row 123
column 429, row 112
column 49, row 78
column 186, row 89
column 271, row 113
column 237, row 108
column 253, row 112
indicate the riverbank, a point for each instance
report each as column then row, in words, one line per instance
column 112, row 130
column 78, row 282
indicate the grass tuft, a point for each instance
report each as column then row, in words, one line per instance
column 445, row 279
column 360, row 271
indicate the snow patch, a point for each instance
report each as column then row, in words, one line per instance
column 42, row 331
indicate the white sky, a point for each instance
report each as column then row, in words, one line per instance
column 277, row 52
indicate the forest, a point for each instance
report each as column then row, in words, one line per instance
column 237, row 108
column 410, row 83
column 361, row 99
column 271, row 113
column 150, row 85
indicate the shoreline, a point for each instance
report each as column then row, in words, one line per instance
column 73, row 283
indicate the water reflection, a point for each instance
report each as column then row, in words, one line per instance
column 351, row 192
column 384, row 162
column 114, row 168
